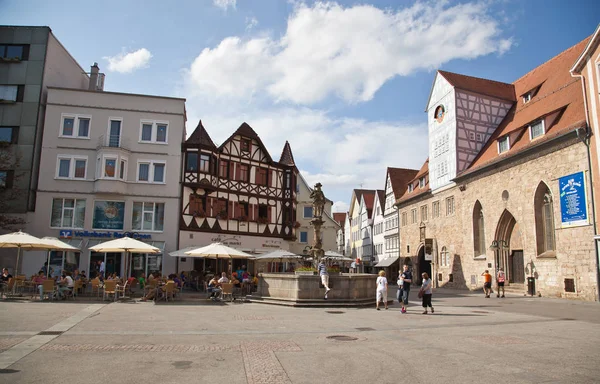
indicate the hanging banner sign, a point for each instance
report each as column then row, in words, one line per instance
column 573, row 200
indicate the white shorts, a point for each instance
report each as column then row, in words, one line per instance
column 325, row 280
column 381, row 295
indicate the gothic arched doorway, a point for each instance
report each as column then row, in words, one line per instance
column 506, row 257
column 424, row 266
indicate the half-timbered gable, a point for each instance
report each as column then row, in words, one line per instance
column 237, row 188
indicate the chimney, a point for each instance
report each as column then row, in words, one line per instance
column 96, row 79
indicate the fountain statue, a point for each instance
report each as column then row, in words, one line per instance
column 318, row 199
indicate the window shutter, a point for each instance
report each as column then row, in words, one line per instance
column 269, row 219
column 230, row 166
column 231, row 210
column 237, row 171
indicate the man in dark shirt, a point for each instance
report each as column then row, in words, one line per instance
column 406, row 278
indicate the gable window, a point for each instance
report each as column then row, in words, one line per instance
column 479, row 247
column 15, row 52
column 204, row 163
column 11, row 93
column 67, row 213
column 411, row 187
column 536, row 129
column 6, row 179
column 191, row 163
column 303, row 237
column 544, row 219
column 224, row 169
column 71, row 167
column 9, row 135
column 450, row 206
column 422, row 182
column 148, row 216
column 413, row 215
column 308, row 212
column 153, row 131
column 245, row 145
column 503, row 144
column 151, row 171
column 527, row 97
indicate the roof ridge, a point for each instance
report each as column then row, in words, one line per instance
column 552, row 59
column 474, row 77
column 538, row 99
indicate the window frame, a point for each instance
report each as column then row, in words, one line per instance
column 123, row 170
column 187, row 161
column 153, row 212
column 153, row 131
column 18, row 95
column 244, row 142
column 424, row 212
column 151, row 169
column 62, row 213
column 300, row 237
column 304, row 212
column 76, row 122
column 502, row 139
column 224, row 165
column 535, row 123
column 207, row 160
column 14, row 134
column 435, row 209
column 9, row 180
column 72, row 161
column 24, row 52
column 110, row 120
column 450, row 208
column 413, row 216
column 117, row 164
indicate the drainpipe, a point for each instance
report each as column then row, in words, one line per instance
column 585, row 139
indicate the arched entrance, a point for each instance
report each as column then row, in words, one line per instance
column 506, row 256
column 424, row 266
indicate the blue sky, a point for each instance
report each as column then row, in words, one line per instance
column 345, row 82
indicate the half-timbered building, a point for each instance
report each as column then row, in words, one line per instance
column 236, row 193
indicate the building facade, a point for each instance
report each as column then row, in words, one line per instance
column 236, row 194
column 378, row 227
column 504, row 185
column 340, row 218
column 110, row 167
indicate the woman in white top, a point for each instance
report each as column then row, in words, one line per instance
column 426, row 292
column 382, row 285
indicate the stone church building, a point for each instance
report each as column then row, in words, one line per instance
column 506, row 184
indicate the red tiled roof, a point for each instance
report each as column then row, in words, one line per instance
column 399, row 178
column 340, row 217
column 381, row 197
column 487, row 87
column 423, row 172
column 369, row 197
column 557, row 93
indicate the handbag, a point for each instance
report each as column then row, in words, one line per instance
column 420, row 295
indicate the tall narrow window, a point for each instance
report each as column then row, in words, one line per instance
column 544, row 219
column 204, row 163
column 192, row 162
column 478, row 230
column 114, row 135
column 224, row 169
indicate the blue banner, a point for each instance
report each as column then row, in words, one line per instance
column 108, row 214
column 573, row 201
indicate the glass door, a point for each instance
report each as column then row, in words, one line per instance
column 113, row 263
column 138, row 264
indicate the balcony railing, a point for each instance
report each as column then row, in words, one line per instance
column 113, row 141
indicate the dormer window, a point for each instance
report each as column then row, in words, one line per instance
column 422, row 182
column 527, row 97
column 536, row 129
column 411, row 187
column 503, row 144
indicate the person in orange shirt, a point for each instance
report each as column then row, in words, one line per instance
column 487, row 285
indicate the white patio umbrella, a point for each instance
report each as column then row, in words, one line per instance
column 279, row 255
column 22, row 240
column 181, row 252
column 331, row 255
column 58, row 246
column 127, row 245
column 218, row 251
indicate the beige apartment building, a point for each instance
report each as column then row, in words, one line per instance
column 110, row 167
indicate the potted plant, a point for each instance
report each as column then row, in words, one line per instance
column 305, row 271
column 243, row 218
column 333, row 270
column 262, row 220
column 222, row 215
column 200, row 214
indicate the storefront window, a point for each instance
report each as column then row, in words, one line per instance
column 148, row 216
column 108, row 214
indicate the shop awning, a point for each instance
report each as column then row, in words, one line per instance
column 386, row 262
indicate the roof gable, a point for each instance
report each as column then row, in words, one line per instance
column 287, row 158
column 201, row 138
column 481, row 86
column 246, row 131
column 399, row 179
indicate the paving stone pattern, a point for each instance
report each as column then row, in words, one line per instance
column 262, row 365
column 6, row 343
column 140, row 348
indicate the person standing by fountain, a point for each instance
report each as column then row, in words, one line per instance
column 324, row 277
column 382, row 286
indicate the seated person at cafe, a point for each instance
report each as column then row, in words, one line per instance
column 240, row 272
column 76, row 275
column 65, row 284
column 236, row 282
column 38, row 280
column 5, row 276
column 223, row 279
column 214, row 288
column 142, row 280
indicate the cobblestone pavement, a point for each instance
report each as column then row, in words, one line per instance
column 522, row 339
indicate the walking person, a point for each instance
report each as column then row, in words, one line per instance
column 324, row 277
column 487, row 285
column 426, row 293
column 500, row 279
column 404, row 290
column 382, row 286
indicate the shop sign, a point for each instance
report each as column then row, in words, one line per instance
column 108, row 214
column 229, row 241
column 70, row 233
column 272, row 244
column 573, row 201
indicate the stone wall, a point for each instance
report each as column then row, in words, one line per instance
column 517, row 181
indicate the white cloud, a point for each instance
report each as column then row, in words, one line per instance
column 129, row 62
column 251, row 22
column 329, row 50
column 224, row 4
column 340, row 206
